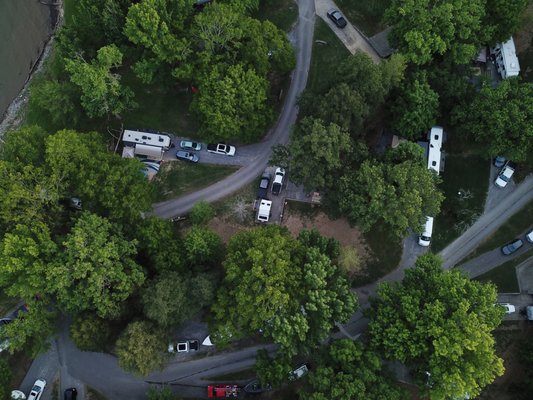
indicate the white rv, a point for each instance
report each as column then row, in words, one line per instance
column 505, row 59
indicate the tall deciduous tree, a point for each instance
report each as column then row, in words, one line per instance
column 102, row 92
column 232, row 104
column 290, row 292
column 425, row 29
column 502, row 18
column 500, row 118
column 159, row 26
column 318, row 152
column 415, row 108
column 140, row 349
column 399, row 195
column 173, row 298
column 349, row 371
column 440, row 322
column 24, row 146
column 98, row 266
column 202, row 246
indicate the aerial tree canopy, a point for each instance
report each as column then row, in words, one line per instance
column 500, row 118
column 425, row 29
column 275, row 285
column 439, row 322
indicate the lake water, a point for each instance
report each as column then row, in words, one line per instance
column 25, row 26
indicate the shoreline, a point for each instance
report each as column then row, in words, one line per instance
column 12, row 117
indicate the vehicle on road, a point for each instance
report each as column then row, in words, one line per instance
column 425, row 237
column 182, row 347
column 504, row 176
column 499, row 161
column 254, row 387
column 221, row 148
column 71, row 394
column 337, row 18
column 278, row 181
column 185, row 155
column 529, row 236
column 509, row 308
column 263, row 185
column 263, row 214
column 224, row 390
column 194, row 345
column 190, row 145
column 510, row 248
column 299, row 372
column 37, row 389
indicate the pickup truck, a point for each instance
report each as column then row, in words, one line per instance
column 221, row 148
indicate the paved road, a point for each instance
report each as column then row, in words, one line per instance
column 279, row 134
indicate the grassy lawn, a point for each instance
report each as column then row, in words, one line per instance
column 163, row 109
column 325, row 57
column 178, row 178
column 366, row 15
column 386, row 254
column 282, row 13
column 93, row 394
column 523, row 38
column 504, row 276
column 19, row 364
column 464, row 183
column 514, row 226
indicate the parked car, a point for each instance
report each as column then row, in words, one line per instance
column 221, row 148
column 194, row 345
column 263, row 185
column 504, row 176
column 185, row 155
column 224, row 390
column 299, row 372
column 4, row 343
column 510, row 248
column 71, row 394
column 509, row 308
column 499, row 161
column 278, row 181
column 337, row 18
column 171, row 348
column 190, row 145
column 37, row 389
column 529, row 236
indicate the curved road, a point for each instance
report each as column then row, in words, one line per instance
column 279, row 134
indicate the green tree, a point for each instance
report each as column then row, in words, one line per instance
column 425, row 29
column 5, row 379
column 275, row 284
column 318, row 153
column 399, row 195
column 273, row 371
column 172, row 299
column 349, row 371
column 25, row 256
column 90, row 333
column 415, row 107
column 500, row 118
column 202, row 246
column 502, row 18
column 98, row 266
column 160, row 246
column 163, row 393
column 30, row 332
column 232, row 104
column 159, row 27
column 440, row 322
column 24, row 146
column 202, row 213
column 102, row 92
column 140, row 349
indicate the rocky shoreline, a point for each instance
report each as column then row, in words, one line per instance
column 13, row 116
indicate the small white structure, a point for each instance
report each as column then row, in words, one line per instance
column 150, row 145
column 505, row 59
column 434, row 150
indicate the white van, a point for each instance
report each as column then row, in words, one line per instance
column 263, row 215
column 425, row 238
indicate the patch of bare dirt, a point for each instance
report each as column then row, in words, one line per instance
column 225, row 229
column 524, row 37
column 339, row 229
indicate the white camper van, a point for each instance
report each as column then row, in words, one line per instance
column 425, row 237
column 263, row 214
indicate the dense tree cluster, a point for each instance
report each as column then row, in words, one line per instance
column 440, row 324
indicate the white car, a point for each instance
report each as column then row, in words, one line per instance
column 509, row 308
column 183, row 347
column 529, row 236
column 299, row 372
column 278, row 181
column 37, row 389
column 504, row 177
